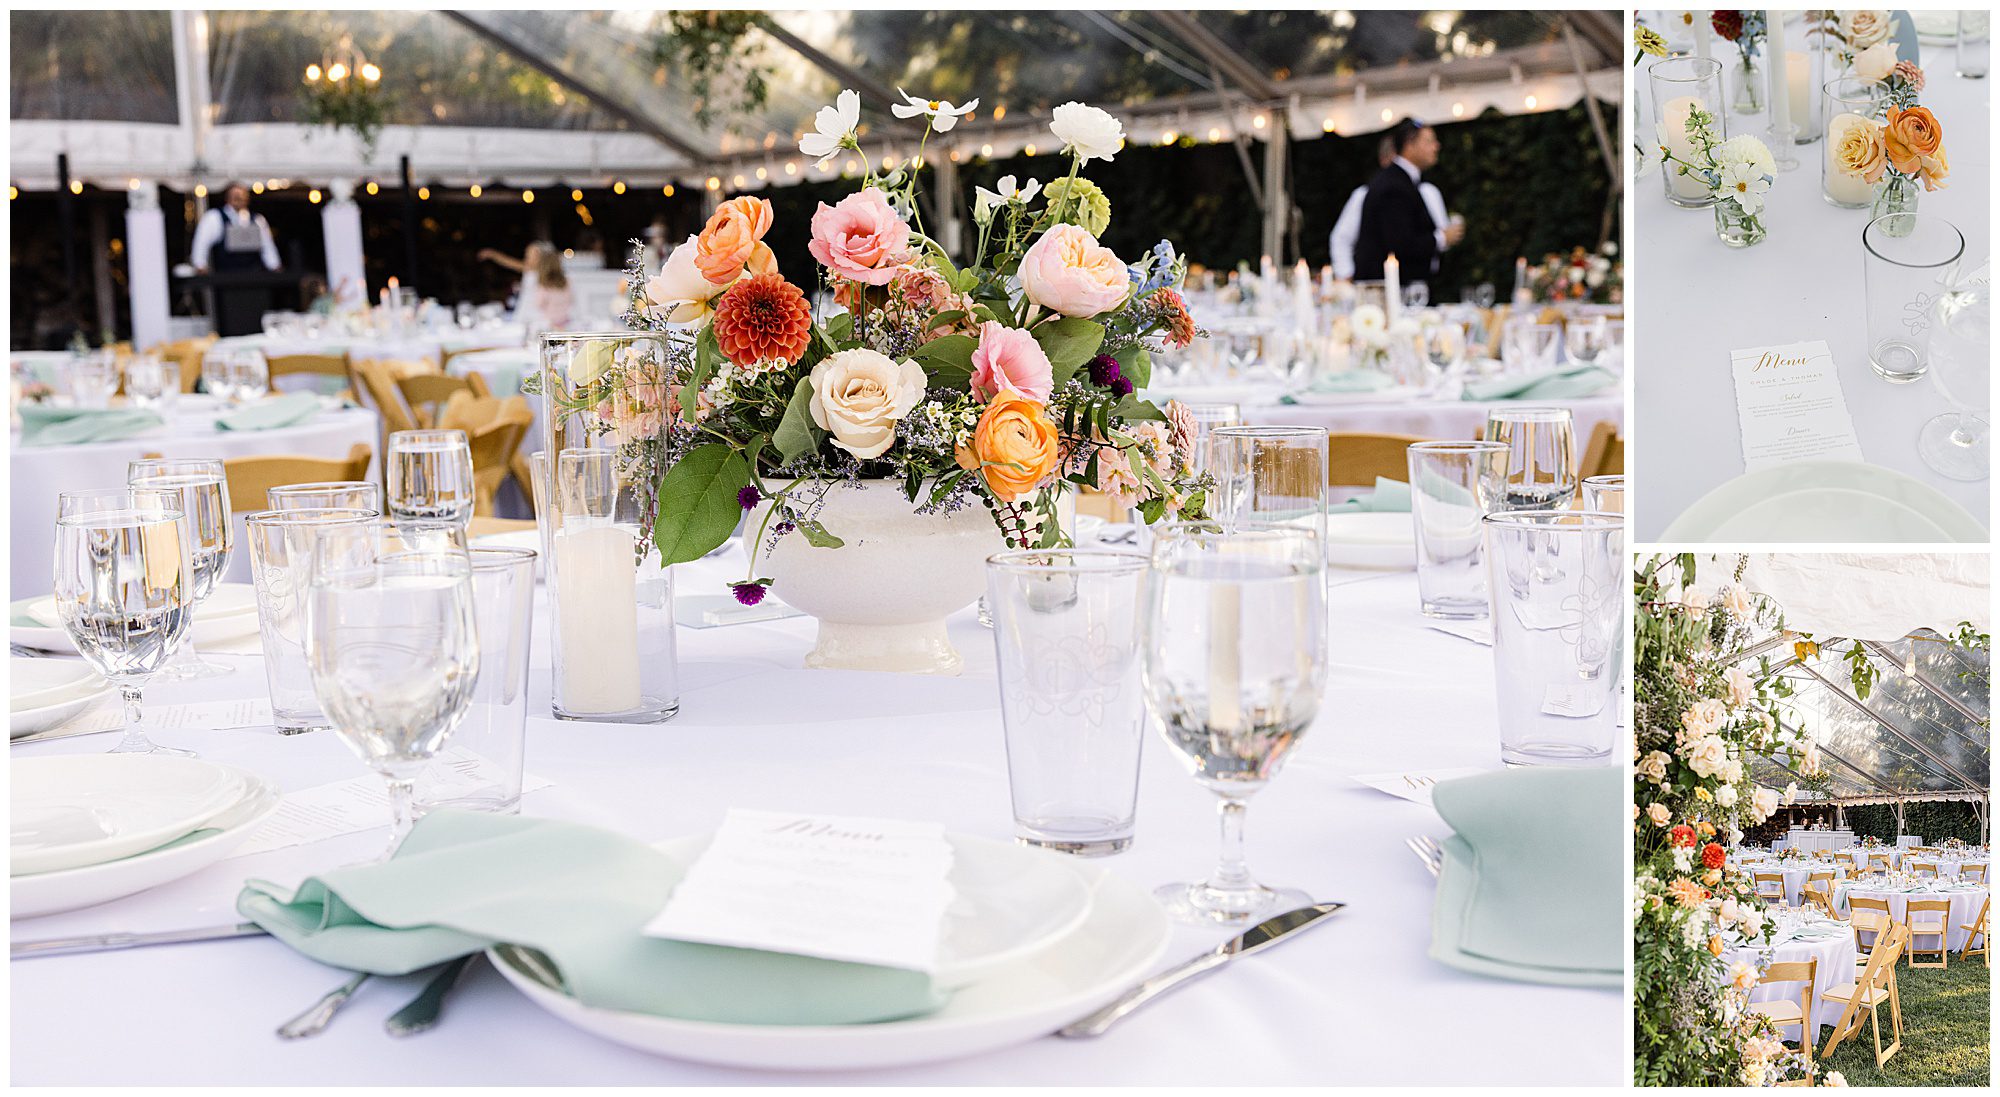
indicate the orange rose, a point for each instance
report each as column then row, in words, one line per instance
column 1015, row 445
column 1716, row 945
column 1914, row 143
column 733, row 240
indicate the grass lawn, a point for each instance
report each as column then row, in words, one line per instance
column 1946, row 1017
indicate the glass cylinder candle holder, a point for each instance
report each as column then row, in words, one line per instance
column 1682, row 85
column 604, row 429
column 1805, row 83
column 1849, row 105
column 1910, row 259
column 1975, row 43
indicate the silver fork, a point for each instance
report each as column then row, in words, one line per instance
column 313, row 1020
column 1427, row 851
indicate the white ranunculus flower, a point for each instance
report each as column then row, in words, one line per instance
column 1726, row 796
column 1091, row 133
column 833, row 127
column 681, row 289
column 859, row 396
column 1875, row 63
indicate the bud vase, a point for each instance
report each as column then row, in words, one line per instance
column 1749, row 87
column 605, row 405
column 1736, row 228
column 1894, row 194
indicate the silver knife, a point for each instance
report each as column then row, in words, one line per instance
column 1260, row 936
column 69, row 946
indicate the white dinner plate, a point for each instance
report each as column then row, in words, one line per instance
column 1011, row 903
column 72, row 810
column 229, row 614
column 1369, row 539
column 36, row 683
column 1115, row 947
column 1831, row 501
column 30, row 721
column 68, row 889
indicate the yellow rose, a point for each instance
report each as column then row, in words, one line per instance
column 1015, row 446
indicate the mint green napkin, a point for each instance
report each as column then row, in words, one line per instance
column 1389, row 497
column 278, row 411
column 43, row 425
column 464, row 881
column 1533, row 885
column 1555, row 384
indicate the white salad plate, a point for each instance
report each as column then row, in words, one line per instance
column 35, row 683
column 1368, row 539
column 1117, row 945
column 1010, row 902
column 68, row 811
column 1825, row 501
column 229, row 614
column 69, row 889
column 51, row 708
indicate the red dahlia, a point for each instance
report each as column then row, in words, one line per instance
column 763, row 319
column 1713, row 855
column 1682, row 835
column 1728, row 24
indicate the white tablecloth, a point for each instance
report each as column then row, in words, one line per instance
column 426, row 344
column 1964, row 905
column 39, row 473
column 1804, row 282
column 1796, row 875
column 1357, row 1002
column 1424, row 418
column 1836, row 956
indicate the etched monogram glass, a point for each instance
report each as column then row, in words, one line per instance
column 1910, row 260
column 1066, row 627
column 1558, row 633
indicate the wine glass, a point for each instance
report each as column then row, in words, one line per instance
column 1444, row 347
column 249, row 375
column 93, row 379
column 203, row 492
column 1541, row 456
column 1526, row 345
column 1235, row 662
column 216, row 378
column 1584, row 338
column 151, row 382
column 430, row 476
column 1207, row 417
column 124, row 589
column 1483, row 295
column 1958, row 443
column 392, row 645
column 1416, row 295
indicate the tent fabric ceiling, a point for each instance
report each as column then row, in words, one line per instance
column 1864, row 594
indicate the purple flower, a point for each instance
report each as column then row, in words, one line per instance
column 1104, row 371
column 1121, row 386
column 748, row 497
column 748, row 593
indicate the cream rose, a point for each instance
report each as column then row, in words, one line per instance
column 1706, row 756
column 1875, row 63
column 1741, row 688
column 1726, row 796
column 1659, row 814
column 858, row 396
column 681, row 289
column 590, row 362
column 1704, row 718
column 1865, row 28
column 1763, row 803
column 1068, row 271
column 1653, row 767
column 1737, row 601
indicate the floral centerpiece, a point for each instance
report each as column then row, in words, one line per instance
column 1699, row 719
column 1897, row 152
column 1581, row 275
column 1791, row 853
column 1847, row 33
column 1954, row 846
column 1869, row 841
column 1738, row 173
column 1745, row 30
column 993, row 382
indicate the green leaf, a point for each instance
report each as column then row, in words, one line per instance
column 947, row 360
column 840, row 329
column 1131, row 408
column 797, row 434
column 1136, row 363
column 698, row 506
column 1069, row 343
column 707, row 358
column 945, row 319
column 816, row 535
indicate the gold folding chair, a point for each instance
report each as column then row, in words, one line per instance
column 1972, row 872
column 1770, row 885
column 426, row 394
column 493, row 429
column 1821, row 897
column 1845, row 859
column 1355, row 459
column 1604, row 455
column 1925, row 918
column 1977, row 930
column 252, row 478
column 1873, row 987
column 1880, row 862
column 322, row 365
column 1870, row 916
column 1924, row 868
column 1785, row 1012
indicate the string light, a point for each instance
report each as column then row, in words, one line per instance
column 131, row 184
column 372, row 188
column 13, row 192
column 738, row 181
column 313, row 196
column 369, row 72
column 201, row 190
column 791, row 168
column 575, row 194
column 1530, row 102
column 1169, row 137
column 1259, row 121
column 1326, row 125
column 1030, row 150
column 528, row 196
column 1458, row 110
column 1388, row 115
column 76, row 186
column 256, row 188
column 762, row 174
column 476, row 190
column 423, row 194
column 312, row 74
column 618, row 187
column 715, row 183
column 1000, row 112
column 336, row 72
column 667, row 191
column 986, row 151
column 1214, row 133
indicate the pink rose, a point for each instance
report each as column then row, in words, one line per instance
column 1069, row 271
column 861, row 238
column 1009, row 358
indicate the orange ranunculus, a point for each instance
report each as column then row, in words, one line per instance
column 1914, row 144
column 1015, row 445
column 733, row 241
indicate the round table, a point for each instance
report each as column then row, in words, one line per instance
column 1836, row 954
column 757, row 729
column 1804, row 282
column 38, row 473
column 1965, row 904
column 422, row 344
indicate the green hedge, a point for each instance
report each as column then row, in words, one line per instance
column 1934, row 820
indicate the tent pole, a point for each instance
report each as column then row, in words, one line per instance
column 1277, row 189
column 409, row 225
column 66, row 232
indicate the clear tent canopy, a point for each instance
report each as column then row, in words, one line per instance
column 533, row 97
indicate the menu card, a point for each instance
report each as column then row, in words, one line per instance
column 1790, row 406
column 870, row 891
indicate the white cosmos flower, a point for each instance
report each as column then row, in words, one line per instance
column 1087, row 131
column 1744, row 185
column 1004, row 191
column 833, row 127
column 942, row 113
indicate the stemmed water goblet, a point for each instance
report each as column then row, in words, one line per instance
column 430, row 476
column 1958, row 443
column 124, row 589
column 203, row 489
column 392, row 646
column 1584, row 338
column 1234, row 666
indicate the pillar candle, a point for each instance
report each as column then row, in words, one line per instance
column 1392, row 288
column 1225, row 657
column 1673, row 120
column 1799, row 85
column 1777, row 68
column 600, row 631
column 1702, row 32
column 1840, row 186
